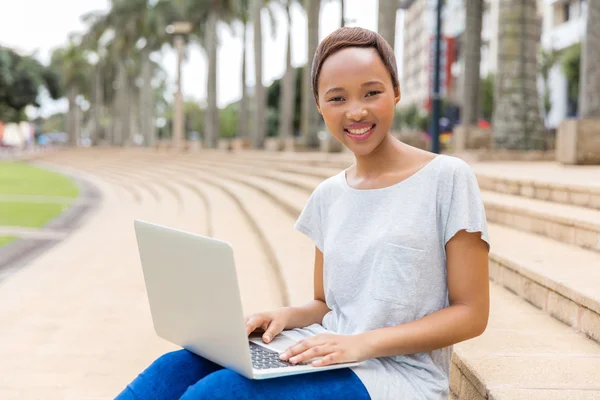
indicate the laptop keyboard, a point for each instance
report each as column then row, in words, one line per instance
column 263, row 358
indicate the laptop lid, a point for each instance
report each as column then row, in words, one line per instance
column 193, row 293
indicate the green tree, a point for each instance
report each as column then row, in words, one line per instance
column 21, row 78
column 571, row 67
column 487, row 103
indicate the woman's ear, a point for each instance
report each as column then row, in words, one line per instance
column 319, row 108
column 397, row 95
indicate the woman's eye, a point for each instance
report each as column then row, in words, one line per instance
column 336, row 99
column 373, row 93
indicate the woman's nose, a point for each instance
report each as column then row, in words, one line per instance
column 356, row 114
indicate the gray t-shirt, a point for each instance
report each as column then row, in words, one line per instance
column 385, row 264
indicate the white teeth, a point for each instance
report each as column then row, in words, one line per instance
column 359, row 131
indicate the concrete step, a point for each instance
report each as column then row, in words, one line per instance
column 525, row 354
column 562, row 280
column 564, row 223
column 548, row 190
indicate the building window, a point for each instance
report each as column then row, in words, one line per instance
column 566, row 11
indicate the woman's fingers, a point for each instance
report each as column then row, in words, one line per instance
column 300, row 348
column 310, row 353
column 331, row 358
column 253, row 323
column 273, row 329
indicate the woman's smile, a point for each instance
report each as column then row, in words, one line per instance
column 360, row 132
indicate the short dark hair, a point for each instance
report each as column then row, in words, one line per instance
column 353, row 37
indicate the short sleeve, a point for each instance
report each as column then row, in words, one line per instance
column 465, row 209
column 310, row 220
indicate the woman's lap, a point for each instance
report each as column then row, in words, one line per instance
column 181, row 374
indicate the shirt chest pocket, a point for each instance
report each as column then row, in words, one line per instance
column 395, row 274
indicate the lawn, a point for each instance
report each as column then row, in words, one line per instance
column 30, row 215
column 23, row 179
column 6, row 239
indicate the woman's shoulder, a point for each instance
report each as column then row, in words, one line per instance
column 451, row 168
column 331, row 184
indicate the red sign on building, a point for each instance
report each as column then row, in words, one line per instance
column 447, row 58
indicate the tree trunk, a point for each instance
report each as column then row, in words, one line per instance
column 98, row 106
column 471, row 72
column 134, row 110
column 517, row 117
column 120, row 110
column 310, row 115
column 72, row 115
column 211, row 119
column 343, row 13
column 386, row 20
column 258, row 137
column 146, row 101
column 590, row 64
column 288, row 88
column 242, row 127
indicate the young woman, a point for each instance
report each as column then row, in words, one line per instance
column 401, row 258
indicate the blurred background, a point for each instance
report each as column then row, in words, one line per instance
column 141, row 73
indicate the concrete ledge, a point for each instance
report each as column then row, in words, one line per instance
column 564, row 225
column 578, row 142
column 581, row 196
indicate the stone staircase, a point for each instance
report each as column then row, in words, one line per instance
column 543, row 337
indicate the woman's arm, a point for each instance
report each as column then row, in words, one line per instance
column 465, row 318
column 314, row 311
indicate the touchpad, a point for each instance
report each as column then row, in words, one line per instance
column 279, row 344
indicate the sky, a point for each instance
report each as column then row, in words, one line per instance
column 51, row 23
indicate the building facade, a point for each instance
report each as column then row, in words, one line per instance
column 563, row 26
column 419, row 32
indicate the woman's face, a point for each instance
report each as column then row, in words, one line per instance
column 357, row 98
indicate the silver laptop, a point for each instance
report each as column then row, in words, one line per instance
column 195, row 303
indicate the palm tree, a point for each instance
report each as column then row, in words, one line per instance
column 211, row 118
column 471, row 72
column 386, row 20
column 138, row 30
column 517, row 118
column 204, row 16
column 310, row 116
column 288, row 86
column 590, row 64
column 258, row 137
column 73, row 65
column 242, row 124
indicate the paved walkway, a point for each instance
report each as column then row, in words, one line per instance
column 31, row 232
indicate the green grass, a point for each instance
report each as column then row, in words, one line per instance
column 6, row 240
column 29, row 215
column 25, row 179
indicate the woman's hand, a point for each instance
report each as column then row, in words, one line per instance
column 333, row 349
column 272, row 322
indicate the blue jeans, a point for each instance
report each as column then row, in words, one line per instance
column 184, row 375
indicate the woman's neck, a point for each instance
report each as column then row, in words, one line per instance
column 388, row 156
